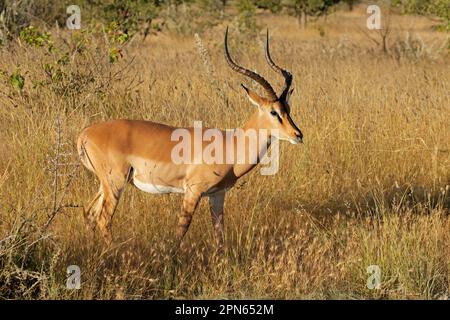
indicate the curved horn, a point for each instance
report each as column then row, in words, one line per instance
column 286, row 74
column 263, row 82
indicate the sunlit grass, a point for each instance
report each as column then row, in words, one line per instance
column 370, row 186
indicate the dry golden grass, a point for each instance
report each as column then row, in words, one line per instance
column 370, row 186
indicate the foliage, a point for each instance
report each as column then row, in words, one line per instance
column 211, row 6
column 15, row 15
column 350, row 3
column 130, row 16
column 35, row 37
column 246, row 16
column 182, row 16
column 117, row 38
column 302, row 8
column 440, row 8
column 275, row 6
column 311, row 7
column 192, row 16
column 17, row 80
column 412, row 6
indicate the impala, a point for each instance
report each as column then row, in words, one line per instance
column 140, row 152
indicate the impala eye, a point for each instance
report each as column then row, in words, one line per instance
column 275, row 114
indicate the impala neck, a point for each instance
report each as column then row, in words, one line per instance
column 255, row 123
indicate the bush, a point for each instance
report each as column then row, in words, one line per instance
column 34, row 37
column 17, row 15
column 302, row 8
column 274, row 6
column 246, row 17
column 440, row 8
column 130, row 15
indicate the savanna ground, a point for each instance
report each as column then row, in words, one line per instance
column 370, row 185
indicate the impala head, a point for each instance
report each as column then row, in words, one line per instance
column 274, row 110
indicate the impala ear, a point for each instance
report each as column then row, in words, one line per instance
column 254, row 98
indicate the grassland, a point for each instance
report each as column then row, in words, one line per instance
column 370, row 185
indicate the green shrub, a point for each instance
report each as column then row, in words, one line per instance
column 17, row 80
column 130, row 15
column 17, row 15
column 246, row 17
column 34, row 37
column 440, row 8
column 274, row 6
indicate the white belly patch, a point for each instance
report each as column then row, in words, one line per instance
column 154, row 188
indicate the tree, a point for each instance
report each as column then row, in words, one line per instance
column 302, row 8
column 274, row 6
column 246, row 16
column 351, row 3
column 440, row 8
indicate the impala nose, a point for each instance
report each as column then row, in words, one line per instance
column 299, row 137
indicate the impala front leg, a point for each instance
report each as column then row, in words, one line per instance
column 190, row 202
column 216, row 208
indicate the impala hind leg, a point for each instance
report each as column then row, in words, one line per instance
column 107, row 204
column 93, row 209
column 190, row 202
column 101, row 209
column 216, row 208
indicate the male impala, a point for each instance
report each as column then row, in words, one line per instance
column 122, row 151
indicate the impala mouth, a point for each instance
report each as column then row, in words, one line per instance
column 296, row 140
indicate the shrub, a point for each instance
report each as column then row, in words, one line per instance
column 130, row 16
column 440, row 8
column 246, row 17
column 17, row 15
column 36, row 38
column 274, row 6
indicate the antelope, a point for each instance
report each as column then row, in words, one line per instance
column 119, row 152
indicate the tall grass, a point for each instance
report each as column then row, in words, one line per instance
column 370, row 186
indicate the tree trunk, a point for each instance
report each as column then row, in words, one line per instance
column 303, row 20
column 350, row 5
